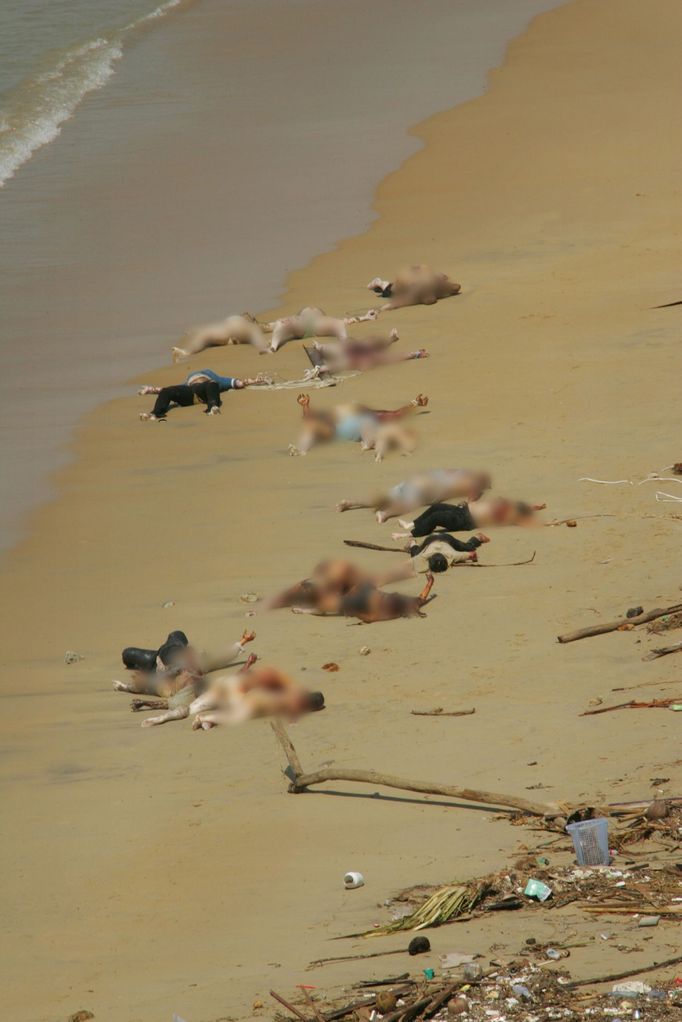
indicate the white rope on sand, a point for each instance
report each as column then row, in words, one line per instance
column 606, row 482
column 664, row 498
column 311, row 378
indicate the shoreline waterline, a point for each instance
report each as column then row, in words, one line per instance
column 113, row 225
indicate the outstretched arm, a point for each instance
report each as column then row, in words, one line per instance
column 219, row 661
column 399, row 574
column 367, row 317
column 424, row 594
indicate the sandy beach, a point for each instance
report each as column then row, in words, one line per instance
column 162, row 871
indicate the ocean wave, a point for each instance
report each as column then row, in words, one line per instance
column 32, row 114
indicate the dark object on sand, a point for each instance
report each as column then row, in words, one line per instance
column 677, row 468
column 506, row 905
column 635, row 611
column 136, row 659
column 419, row 945
column 667, row 305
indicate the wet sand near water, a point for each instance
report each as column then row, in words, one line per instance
column 170, row 871
column 234, row 142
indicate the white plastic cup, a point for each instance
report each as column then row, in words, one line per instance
column 591, row 841
column 352, row 880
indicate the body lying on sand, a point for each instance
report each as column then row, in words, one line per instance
column 202, row 387
column 436, row 552
column 467, row 517
column 312, row 322
column 245, row 329
column 338, row 588
column 375, row 429
column 424, row 488
column 176, row 676
column 359, row 354
column 415, row 285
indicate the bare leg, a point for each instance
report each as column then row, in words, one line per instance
column 148, row 704
column 179, row 713
column 352, row 505
column 148, row 389
column 205, row 721
column 284, row 331
column 123, row 686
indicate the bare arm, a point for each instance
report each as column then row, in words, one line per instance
column 403, row 571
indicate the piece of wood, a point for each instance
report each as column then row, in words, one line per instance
column 289, row 1007
column 353, row 958
column 316, row 1011
column 663, row 651
column 349, row 1009
column 373, row 777
column 614, row 976
column 408, row 1010
column 653, row 704
column 404, row 978
column 301, row 781
column 441, row 998
column 613, row 626
column 286, row 743
column 442, row 713
column 374, row 546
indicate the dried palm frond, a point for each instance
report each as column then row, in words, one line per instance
column 444, row 905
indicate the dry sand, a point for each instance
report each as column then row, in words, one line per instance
column 147, row 872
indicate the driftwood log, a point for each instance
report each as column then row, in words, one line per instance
column 613, row 626
column 301, row 780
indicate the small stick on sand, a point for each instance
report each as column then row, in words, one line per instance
column 438, row 712
column 289, row 1007
column 624, row 975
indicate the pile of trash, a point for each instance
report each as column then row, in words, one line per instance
column 518, row 992
column 652, row 890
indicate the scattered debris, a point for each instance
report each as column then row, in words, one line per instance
column 665, row 624
column 331, row 667
column 499, row 994
column 81, row 1016
column 249, row 597
column 365, row 651
column 71, row 657
column 168, row 604
column 634, row 612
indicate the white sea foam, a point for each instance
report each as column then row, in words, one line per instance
column 32, row 114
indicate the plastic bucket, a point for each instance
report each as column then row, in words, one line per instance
column 591, row 841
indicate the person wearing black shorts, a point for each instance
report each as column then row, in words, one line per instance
column 206, row 393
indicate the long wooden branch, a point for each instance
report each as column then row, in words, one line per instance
column 613, row 626
column 624, row 975
column 303, row 780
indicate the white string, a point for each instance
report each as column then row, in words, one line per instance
column 606, row 482
column 664, row 498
